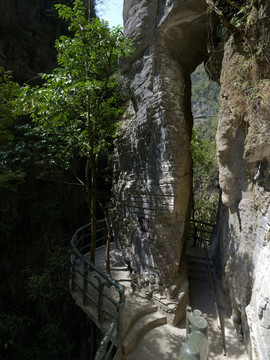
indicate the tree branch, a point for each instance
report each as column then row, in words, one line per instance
column 232, row 29
column 232, row 3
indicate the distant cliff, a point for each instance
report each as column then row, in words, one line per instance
column 28, row 33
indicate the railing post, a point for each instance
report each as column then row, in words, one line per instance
column 80, row 279
column 85, row 283
column 100, row 297
column 119, row 326
column 188, row 310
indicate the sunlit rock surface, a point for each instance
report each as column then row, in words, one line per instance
column 243, row 151
column 152, row 163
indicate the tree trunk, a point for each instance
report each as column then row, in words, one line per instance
column 93, row 209
column 91, row 190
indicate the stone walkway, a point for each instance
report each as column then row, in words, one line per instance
column 164, row 342
column 201, row 298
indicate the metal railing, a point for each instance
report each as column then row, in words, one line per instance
column 92, row 288
column 200, row 233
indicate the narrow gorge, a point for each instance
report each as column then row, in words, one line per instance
column 152, row 187
column 153, row 165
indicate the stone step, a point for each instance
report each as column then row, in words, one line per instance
column 173, row 308
column 197, row 261
column 198, row 276
column 142, row 323
column 192, row 252
column 197, row 264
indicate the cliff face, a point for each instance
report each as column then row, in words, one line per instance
column 28, row 32
column 243, row 150
column 153, row 170
column 153, row 166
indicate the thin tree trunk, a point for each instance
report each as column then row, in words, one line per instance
column 93, row 209
column 107, row 236
column 108, row 244
column 91, row 185
column 89, row 10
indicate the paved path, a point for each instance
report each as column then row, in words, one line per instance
column 201, row 298
column 164, row 342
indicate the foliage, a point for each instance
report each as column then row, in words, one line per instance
column 39, row 323
column 205, row 97
column 232, row 14
column 25, row 148
column 205, row 195
column 80, row 100
column 205, row 106
column 239, row 18
column 40, row 206
column 11, row 327
column 9, row 90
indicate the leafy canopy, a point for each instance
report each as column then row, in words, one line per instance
column 9, row 91
column 79, row 99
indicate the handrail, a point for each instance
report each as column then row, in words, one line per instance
column 200, row 233
column 81, row 265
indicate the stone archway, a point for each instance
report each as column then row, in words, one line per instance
column 153, row 166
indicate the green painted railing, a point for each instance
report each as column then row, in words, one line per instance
column 81, row 268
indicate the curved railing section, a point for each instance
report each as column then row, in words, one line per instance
column 91, row 282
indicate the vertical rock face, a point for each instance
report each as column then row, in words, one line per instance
column 28, row 32
column 153, row 170
column 153, row 165
column 243, row 149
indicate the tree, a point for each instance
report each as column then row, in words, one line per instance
column 79, row 100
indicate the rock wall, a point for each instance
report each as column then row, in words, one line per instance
column 152, row 162
column 153, row 166
column 243, row 151
column 28, row 32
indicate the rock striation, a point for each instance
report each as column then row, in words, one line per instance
column 152, row 163
column 153, row 167
column 243, row 152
